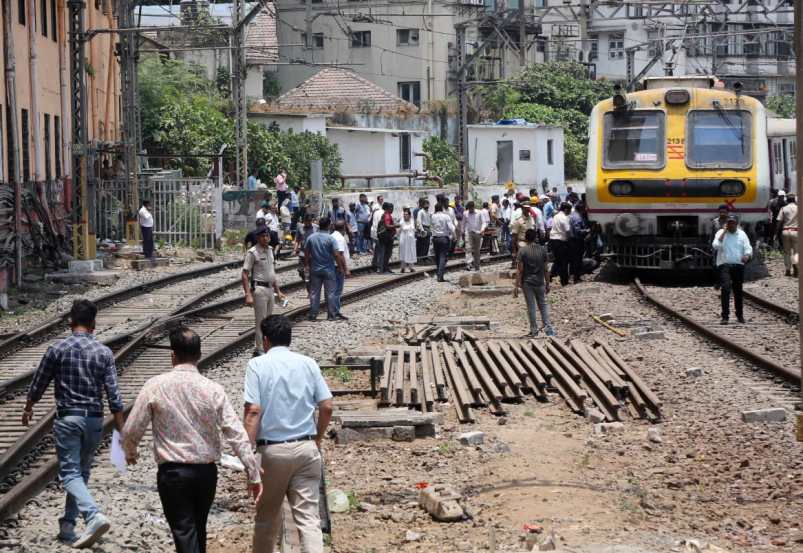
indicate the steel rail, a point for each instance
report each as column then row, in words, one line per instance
column 11, row 384
column 113, row 297
column 33, row 483
column 790, row 315
column 752, row 356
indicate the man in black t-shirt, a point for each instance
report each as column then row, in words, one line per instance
column 533, row 278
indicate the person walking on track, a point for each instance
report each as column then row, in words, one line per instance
column 145, row 219
column 259, row 282
column 443, row 232
column 733, row 251
column 322, row 261
column 82, row 368
column 188, row 413
column 474, row 225
column 532, row 278
column 788, row 223
column 282, row 391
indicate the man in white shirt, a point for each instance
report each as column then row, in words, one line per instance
column 787, row 222
column 474, row 223
column 341, row 241
column 376, row 215
column 263, row 210
column 559, row 237
column 733, row 252
column 146, row 227
column 443, row 230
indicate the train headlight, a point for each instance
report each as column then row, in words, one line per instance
column 731, row 188
column 626, row 224
column 677, row 97
column 621, row 188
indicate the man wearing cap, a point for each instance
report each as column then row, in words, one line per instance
column 259, row 282
column 733, row 251
column 520, row 225
column 787, row 223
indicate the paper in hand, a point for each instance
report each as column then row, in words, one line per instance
column 117, row 455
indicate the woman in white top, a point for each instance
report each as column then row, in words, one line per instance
column 407, row 253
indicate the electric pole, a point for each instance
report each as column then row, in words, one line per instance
column 238, row 72
column 799, row 167
column 462, row 107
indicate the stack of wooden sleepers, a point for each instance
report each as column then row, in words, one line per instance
column 489, row 373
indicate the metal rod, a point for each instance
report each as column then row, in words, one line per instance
column 798, row 9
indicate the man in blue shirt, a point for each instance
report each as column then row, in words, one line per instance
column 363, row 213
column 282, row 391
column 320, row 257
column 733, row 250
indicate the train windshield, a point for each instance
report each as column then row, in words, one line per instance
column 719, row 138
column 634, row 139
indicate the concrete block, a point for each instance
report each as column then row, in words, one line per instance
column 84, row 265
column 651, row 335
column 104, row 278
column 403, row 433
column 486, row 291
column 694, row 372
column 472, row 438
column 346, row 436
column 654, row 435
column 595, row 416
column 441, row 503
column 772, row 414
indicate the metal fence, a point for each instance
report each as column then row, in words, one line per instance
column 186, row 211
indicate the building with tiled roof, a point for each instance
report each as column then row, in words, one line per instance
column 337, row 90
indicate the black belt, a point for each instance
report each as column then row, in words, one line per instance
column 262, row 283
column 60, row 413
column 261, row 443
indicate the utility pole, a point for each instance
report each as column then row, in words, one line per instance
column 522, row 36
column 13, row 128
column 238, row 71
column 799, row 163
column 127, row 49
column 462, row 107
column 582, row 27
column 80, row 146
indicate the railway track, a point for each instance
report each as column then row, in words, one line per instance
column 28, row 463
column 768, row 339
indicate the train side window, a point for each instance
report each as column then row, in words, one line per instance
column 792, row 154
column 777, row 154
column 635, row 139
column 719, row 139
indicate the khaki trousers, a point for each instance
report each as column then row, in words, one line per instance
column 294, row 471
column 789, row 241
column 263, row 306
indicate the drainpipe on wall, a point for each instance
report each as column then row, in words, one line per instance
column 34, row 123
column 66, row 166
column 13, row 127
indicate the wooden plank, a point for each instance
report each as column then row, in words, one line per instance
column 384, row 383
column 415, row 393
column 398, row 385
column 460, row 389
column 495, row 393
column 427, row 378
column 437, row 369
column 470, row 376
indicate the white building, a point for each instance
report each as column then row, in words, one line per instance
column 525, row 154
column 373, row 152
column 291, row 122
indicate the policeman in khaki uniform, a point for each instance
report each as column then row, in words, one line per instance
column 259, row 282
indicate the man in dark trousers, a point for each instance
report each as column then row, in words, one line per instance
column 145, row 219
column 532, row 278
column 188, row 413
column 386, row 233
column 733, row 250
column 320, row 258
column 82, row 368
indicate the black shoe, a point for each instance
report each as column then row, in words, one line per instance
column 389, row 272
column 341, row 317
column 788, row 273
column 740, row 319
column 311, row 318
column 724, row 321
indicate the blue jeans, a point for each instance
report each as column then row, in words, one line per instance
column 441, row 245
column 535, row 296
column 340, row 279
column 77, row 438
column 361, row 246
column 327, row 279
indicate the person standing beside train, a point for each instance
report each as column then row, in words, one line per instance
column 733, row 252
column 788, row 225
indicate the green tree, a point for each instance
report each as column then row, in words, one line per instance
column 442, row 159
column 784, row 106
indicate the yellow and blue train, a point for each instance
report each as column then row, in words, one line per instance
column 662, row 160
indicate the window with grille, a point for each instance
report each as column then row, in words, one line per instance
column 410, row 91
column 57, row 142
column 25, row 130
column 361, row 39
column 593, row 47
column 44, row 18
column 616, row 46
column 407, row 37
column 405, row 152
column 48, row 145
column 315, row 44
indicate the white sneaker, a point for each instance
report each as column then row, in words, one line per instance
column 94, row 530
